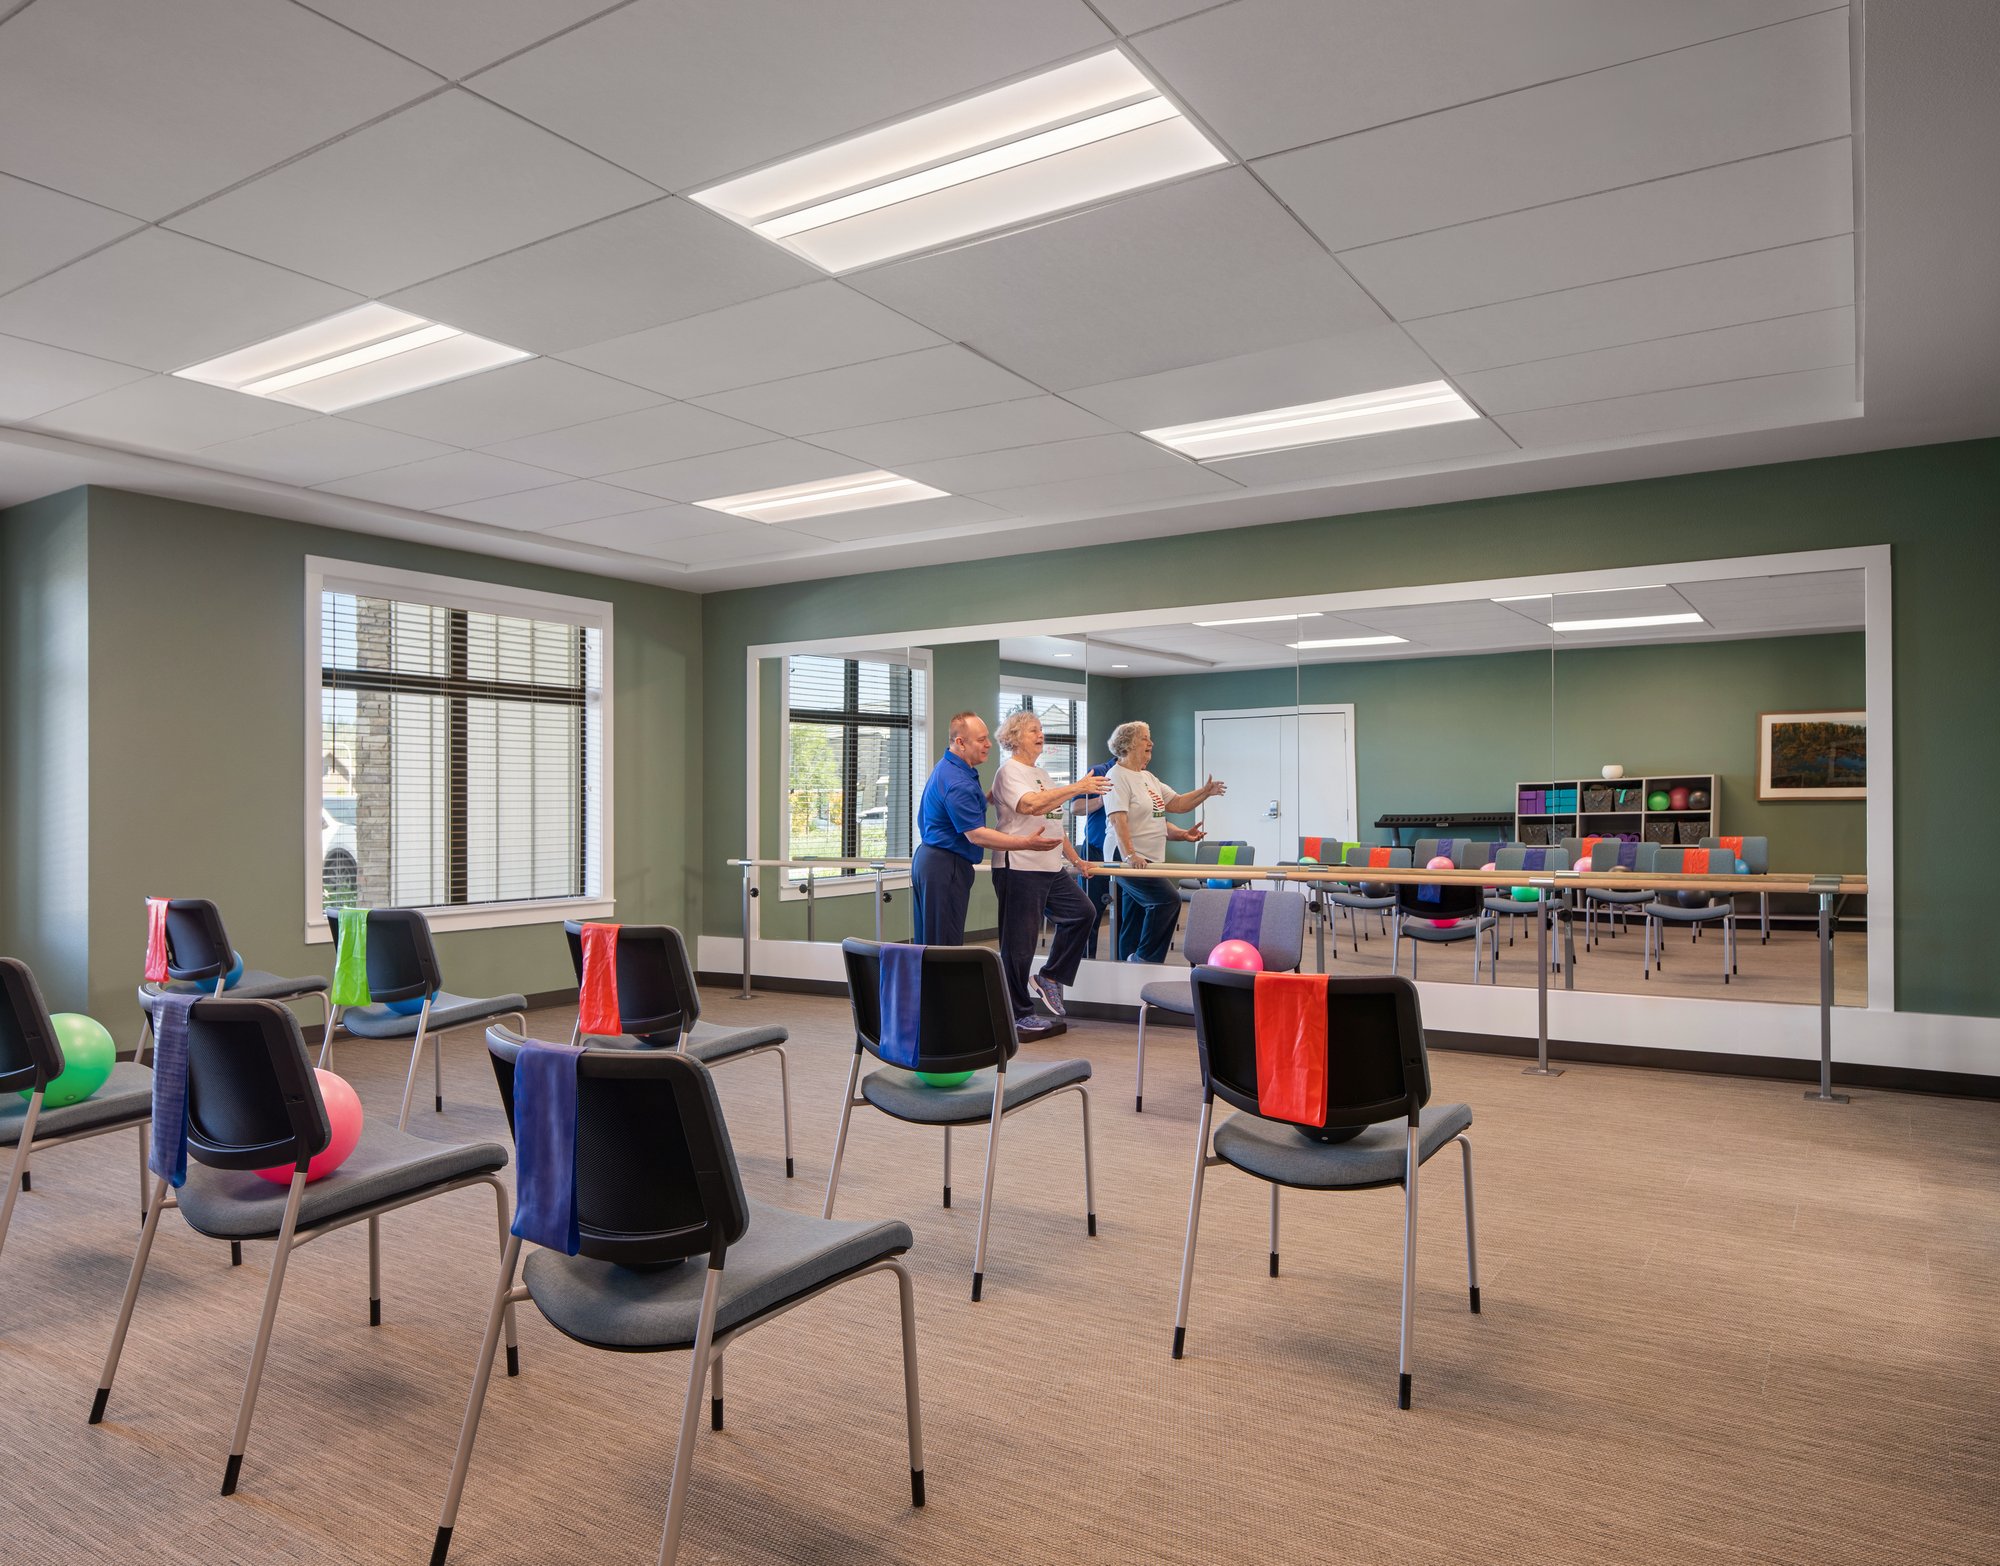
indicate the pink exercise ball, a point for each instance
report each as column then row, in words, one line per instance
column 1445, row 924
column 1489, row 865
column 1240, row 955
column 343, row 1113
column 1440, row 862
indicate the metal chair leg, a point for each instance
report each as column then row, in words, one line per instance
column 416, row 1057
column 1274, row 1228
column 437, row 1074
column 17, row 1175
column 840, row 1137
column 1089, row 1182
column 912, row 1402
column 1139, row 1080
column 704, row 1337
column 947, row 1166
column 1471, row 1235
column 153, row 1211
column 325, row 1061
column 1193, row 1224
column 715, row 1392
column 272, row 1290
column 481, row 1376
column 1409, row 1270
column 986, row 1197
column 375, row 1272
column 785, row 1105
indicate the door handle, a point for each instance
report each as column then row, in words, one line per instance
column 1273, row 811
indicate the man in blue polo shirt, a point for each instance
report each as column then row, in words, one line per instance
column 951, row 821
column 1096, row 887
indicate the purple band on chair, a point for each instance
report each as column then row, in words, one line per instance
column 545, row 1145
column 1628, row 855
column 1244, row 918
column 902, row 1005
column 1534, row 859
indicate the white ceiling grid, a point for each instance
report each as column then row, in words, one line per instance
column 1609, row 222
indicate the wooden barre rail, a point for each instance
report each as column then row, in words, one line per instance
column 1560, row 880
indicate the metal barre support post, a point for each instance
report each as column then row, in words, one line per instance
column 1826, row 1094
column 1541, row 1067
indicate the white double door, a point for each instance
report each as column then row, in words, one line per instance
column 1290, row 773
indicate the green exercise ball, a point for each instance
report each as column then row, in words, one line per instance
column 1527, row 894
column 944, row 1078
column 88, row 1056
column 1307, row 859
column 1657, row 800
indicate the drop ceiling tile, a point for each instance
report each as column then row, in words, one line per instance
column 1271, row 74
column 932, row 380
column 165, row 414
column 1600, row 605
column 1026, row 421
column 1781, row 199
column 35, row 378
column 436, row 482
column 1718, row 102
column 524, row 398
column 1765, row 403
column 445, row 183
column 1817, row 275
column 817, row 327
column 1369, row 453
column 1481, row 623
column 746, row 541
column 40, row 229
column 1729, row 353
column 457, row 37
column 1823, row 600
column 659, row 262
column 737, row 472
column 916, row 516
column 1205, row 269
column 319, row 451
column 1044, row 464
column 146, row 108
column 554, row 505
column 1132, row 16
column 686, row 93
column 667, row 433
column 651, row 533
column 1109, row 491
column 1373, row 359
column 164, row 301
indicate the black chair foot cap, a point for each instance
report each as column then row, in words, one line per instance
column 1475, row 1299
column 236, row 1253
column 947, row 1196
column 28, row 1180
column 1138, row 1103
column 916, row 1487
column 97, row 1405
column 513, row 1369
column 1274, row 1264
column 374, row 1313
column 1092, row 1225
column 229, row 1474
column 442, row 1548
column 789, row 1171
column 1403, row 1390
column 438, row 1108
column 978, row 1281
column 1180, row 1340
column 715, row 1413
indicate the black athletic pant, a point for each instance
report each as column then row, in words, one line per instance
column 1025, row 896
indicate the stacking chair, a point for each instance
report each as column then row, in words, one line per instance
column 1692, row 909
column 966, row 1024
column 1755, row 852
column 657, row 1188
column 199, row 954
column 1612, row 854
column 659, row 1005
column 1474, row 853
column 1280, row 941
column 1463, row 904
column 1209, row 852
column 31, row 1057
column 403, row 966
column 1456, row 849
column 1369, row 896
column 253, row 1103
column 1516, row 857
column 1380, row 1125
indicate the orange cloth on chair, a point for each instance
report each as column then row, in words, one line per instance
column 1694, row 861
column 156, row 940
column 1584, row 850
column 597, row 994
column 1378, row 858
column 1291, row 1046
column 1309, row 849
column 1733, row 844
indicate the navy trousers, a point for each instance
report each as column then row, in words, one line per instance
column 1149, row 908
column 1025, row 897
column 940, row 892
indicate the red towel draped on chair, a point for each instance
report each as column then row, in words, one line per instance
column 597, row 996
column 1291, row 1046
column 156, row 940
column 1309, row 849
column 1733, row 844
column 1378, row 858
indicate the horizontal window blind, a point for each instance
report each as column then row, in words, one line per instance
column 851, row 728
column 462, row 755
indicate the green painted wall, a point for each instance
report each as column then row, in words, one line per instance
column 1936, row 506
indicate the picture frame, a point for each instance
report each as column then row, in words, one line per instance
column 1804, row 756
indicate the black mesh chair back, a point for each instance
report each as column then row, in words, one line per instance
column 1441, row 900
column 1376, row 1065
column 658, row 999
column 30, row 1054
column 253, row 1101
column 197, row 944
column 402, row 962
column 656, row 1178
column 966, row 1020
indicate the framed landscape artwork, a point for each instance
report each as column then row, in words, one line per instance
column 1812, row 755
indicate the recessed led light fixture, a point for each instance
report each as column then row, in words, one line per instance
column 1083, row 132
column 1121, row 666
column 1627, row 622
column 1314, row 423
column 361, row 355
column 1262, row 619
column 823, row 498
column 1349, row 641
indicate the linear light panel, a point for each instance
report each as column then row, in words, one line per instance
column 1529, row 598
column 361, row 355
column 1314, row 423
column 1627, row 622
column 1083, row 132
column 825, row 498
column 1349, row 641
column 1261, row 619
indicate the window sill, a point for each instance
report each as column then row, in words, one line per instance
column 493, row 916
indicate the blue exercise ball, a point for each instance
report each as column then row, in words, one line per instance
column 227, row 981
column 407, row 1008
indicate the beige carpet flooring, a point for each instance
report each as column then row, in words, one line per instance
column 1721, row 1324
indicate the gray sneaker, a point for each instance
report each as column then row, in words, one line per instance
column 1050, row 993
column 1032, row 1027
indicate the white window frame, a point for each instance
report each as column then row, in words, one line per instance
column 324, row 575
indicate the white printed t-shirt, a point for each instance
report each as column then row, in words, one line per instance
column 1142, row 798
column 1014, row 780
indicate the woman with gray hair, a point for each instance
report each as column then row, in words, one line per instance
column 1137, row 808
column 1032, row 885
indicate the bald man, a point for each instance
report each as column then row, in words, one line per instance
column 951, row 822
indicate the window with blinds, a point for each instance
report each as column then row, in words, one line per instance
column 1063, row 733
column 461, row 753
column 852, row 729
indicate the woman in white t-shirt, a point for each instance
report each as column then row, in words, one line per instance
column 1032, row 885
column 1137, row 808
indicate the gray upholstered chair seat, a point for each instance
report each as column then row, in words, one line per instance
column 127, row 1094
column 238, row 1204
column 1384, row 896
column 255, row 984
column 1675, row 914
column 1175, row 995
column 1605, row 894
column 783, row 1255
column 1275, row 1151
column 447, row 1011
column 709, row 1042
column 898, row 1092
column 1417, row 928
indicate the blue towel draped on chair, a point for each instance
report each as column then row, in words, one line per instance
column 1243, row 920
column 1534, row 859
column 545, row 1143
column 901, row 998
column 169, row 1153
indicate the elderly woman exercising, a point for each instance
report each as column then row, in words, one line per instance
column 1137, row 808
